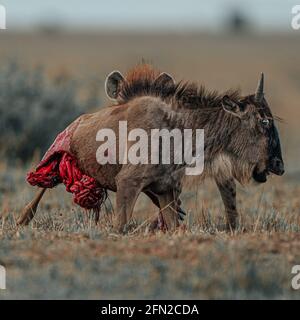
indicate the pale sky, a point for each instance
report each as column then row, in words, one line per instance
column 145, row 14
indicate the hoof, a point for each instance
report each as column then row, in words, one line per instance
column 158, row 224
column 181, row 214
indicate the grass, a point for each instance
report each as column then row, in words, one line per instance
column 63, row 254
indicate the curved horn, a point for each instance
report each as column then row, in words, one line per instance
column 259, row 94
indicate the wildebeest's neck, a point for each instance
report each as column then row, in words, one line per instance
column 225, row 143
column 220, row 127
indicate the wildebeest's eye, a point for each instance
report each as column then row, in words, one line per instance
column 265, row 122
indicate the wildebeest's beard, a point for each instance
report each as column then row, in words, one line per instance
column 259, row 176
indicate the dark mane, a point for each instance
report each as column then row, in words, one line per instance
column 189, row 95
column 140, row 81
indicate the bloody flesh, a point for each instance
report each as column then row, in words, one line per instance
column 60, row 166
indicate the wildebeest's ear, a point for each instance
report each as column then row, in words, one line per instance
column 112, row 84
column 164, row 79
column 231, row 106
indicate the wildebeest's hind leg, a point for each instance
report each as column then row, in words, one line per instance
column 155, row 223
column 29, row 211
column 227, row 190
column 168, row 204
column 127, row 194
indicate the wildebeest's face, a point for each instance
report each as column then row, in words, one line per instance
column 257, row 139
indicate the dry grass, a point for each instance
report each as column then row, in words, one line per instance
column 62, row 254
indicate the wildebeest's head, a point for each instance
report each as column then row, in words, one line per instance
column 257, row 140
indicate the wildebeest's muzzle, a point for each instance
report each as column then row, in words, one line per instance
column 275, row 163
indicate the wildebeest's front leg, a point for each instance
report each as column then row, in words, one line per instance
column 227, row 189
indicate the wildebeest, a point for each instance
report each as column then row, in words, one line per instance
column 241, row 140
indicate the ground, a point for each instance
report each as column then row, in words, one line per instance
column 63, row 254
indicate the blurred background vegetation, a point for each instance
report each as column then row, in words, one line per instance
column 34, row 109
